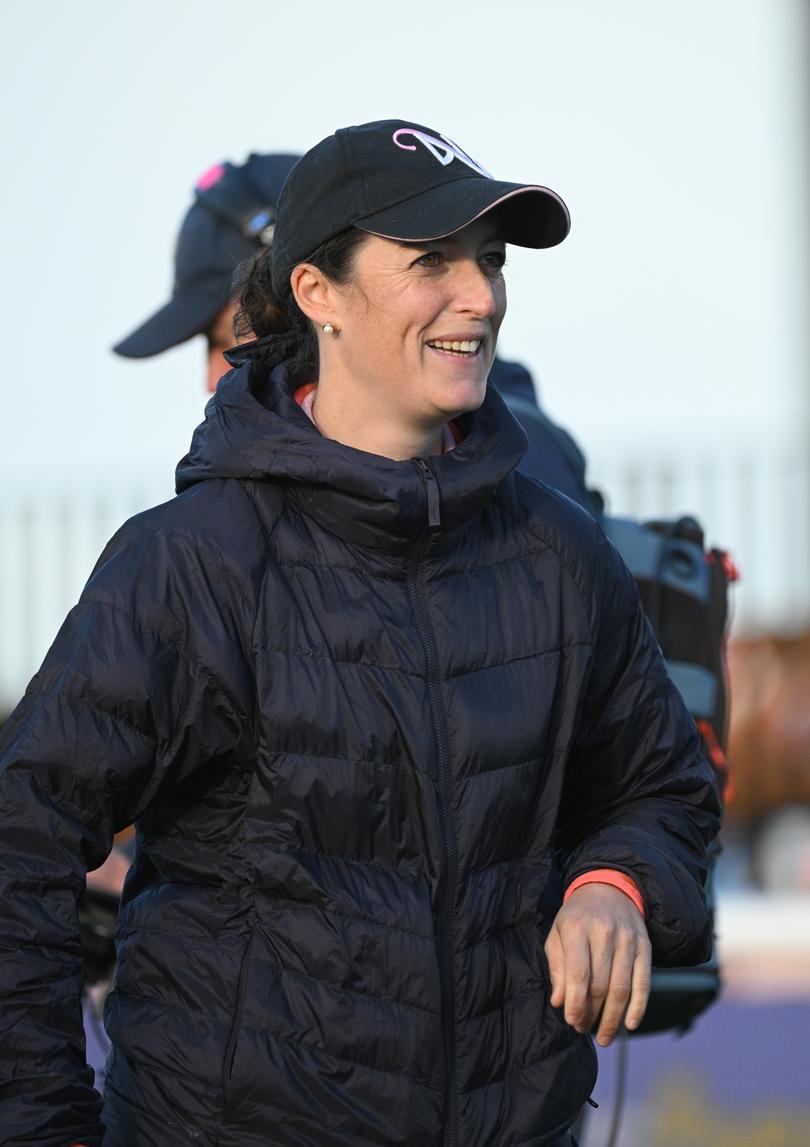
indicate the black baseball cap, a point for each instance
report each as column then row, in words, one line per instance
column 233, row 214
column 401, row 180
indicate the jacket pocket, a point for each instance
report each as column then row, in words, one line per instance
column 236, row 1027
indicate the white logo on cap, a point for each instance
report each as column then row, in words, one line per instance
column 442, row 149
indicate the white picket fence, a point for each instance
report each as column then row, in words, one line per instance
column 754, row 504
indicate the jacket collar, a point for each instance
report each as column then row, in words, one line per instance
column 254, row 429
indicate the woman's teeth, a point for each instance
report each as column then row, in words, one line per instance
column 466, row 346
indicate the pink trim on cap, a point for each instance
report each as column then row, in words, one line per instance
column 472, row 219
column 210, row 177
column 520, row 191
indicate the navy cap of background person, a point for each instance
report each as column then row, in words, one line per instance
column 233, row 214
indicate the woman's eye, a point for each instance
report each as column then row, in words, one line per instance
column 430, row 259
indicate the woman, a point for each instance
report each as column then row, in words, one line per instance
column 363, row 690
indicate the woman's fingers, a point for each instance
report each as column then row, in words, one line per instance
column 642, row 977
column 629, row 989
column 617, row 996
column 599, row 961
column 555, row 957
column 601, row 956
column 569, row 963
column 577, row 978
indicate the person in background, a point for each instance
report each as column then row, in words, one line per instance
column 98, row 915
column 232, row 217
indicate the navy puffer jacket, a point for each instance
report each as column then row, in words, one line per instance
column 357, row 709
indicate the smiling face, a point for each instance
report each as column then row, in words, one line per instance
column 417, row 326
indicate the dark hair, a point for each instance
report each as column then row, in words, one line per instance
column 263, row 312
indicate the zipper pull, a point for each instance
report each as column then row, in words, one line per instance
column 432, row 490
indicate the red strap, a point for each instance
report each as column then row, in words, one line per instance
column 729, row 566
column 610, row 876
column 718, row 758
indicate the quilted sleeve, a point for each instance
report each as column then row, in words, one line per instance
column 638, row 796
column 119, row 710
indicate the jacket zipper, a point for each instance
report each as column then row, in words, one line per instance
column 448, row 887
column 432, row 492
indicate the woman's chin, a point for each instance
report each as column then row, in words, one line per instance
column 460, row 396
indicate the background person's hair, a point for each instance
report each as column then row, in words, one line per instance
column 263, row 312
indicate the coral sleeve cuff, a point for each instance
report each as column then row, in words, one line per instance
column 608, row 876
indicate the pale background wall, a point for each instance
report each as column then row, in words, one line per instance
column 673, row 318
column 673, row 129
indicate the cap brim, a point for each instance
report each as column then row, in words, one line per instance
column 182, row 318
column 530, row 215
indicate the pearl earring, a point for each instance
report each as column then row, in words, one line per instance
column 328, row 328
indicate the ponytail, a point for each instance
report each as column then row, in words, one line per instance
column 262, row 312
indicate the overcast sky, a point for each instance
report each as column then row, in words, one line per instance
column 673, row 129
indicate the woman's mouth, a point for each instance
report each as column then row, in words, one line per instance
column 460, row 347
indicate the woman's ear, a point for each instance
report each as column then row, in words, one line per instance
column 312, row 292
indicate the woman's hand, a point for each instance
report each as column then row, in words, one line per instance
column 599, row 959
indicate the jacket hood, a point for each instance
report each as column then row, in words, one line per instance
column 254, row 429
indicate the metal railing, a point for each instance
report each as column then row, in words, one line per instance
column 755, row 504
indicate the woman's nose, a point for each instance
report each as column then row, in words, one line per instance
column 476, row 291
